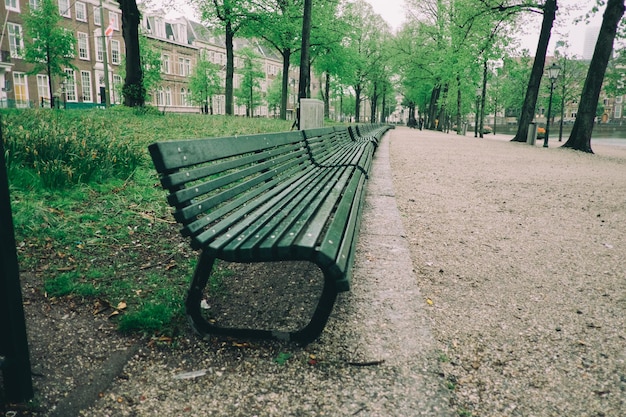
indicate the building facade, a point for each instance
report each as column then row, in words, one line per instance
column 83, row 84
column 180, row 41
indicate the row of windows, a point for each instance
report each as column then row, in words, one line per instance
column 16, row 45
column 70, row 88
column 184, row 65
column 65, row 10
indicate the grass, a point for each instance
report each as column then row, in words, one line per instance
column 101, row 229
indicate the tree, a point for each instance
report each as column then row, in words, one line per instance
column 231, row 15
column 571, row 79
column 150, row 68
column 580, row 137
column 251, row 73
column 134, row 91
column 274, row 95
column 47, row 46
column 532, row 92
column 362, row 42
column 204, row 83
column 279, row 24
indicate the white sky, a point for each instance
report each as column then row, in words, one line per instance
column 393, row 11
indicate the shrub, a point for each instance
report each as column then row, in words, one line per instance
column 63, row 149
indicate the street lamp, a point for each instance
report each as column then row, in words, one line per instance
column 553, row 74
column 479, row 92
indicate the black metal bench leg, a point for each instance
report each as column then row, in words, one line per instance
column 324, row 307
column 201, row 326
column 194, row 311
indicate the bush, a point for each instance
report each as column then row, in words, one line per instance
column 63, row 149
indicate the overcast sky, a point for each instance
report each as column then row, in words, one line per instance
column 393, row 11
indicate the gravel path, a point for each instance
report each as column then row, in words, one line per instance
column 522, row 251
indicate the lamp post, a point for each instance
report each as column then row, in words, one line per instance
column 64, row 94
column 479, row 92
column 553, row 74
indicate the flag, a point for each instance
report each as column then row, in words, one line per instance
column 109, row 30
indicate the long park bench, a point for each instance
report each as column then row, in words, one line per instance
column 292, row 196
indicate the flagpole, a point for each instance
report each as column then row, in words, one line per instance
column 107, row 97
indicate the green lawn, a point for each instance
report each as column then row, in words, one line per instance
column 90, row 217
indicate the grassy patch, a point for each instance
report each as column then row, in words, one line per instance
column 106, row 232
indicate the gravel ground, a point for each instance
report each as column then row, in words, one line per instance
column 522, row 251
column 489, row 281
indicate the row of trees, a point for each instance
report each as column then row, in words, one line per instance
column 449, row 46
column 446, row 52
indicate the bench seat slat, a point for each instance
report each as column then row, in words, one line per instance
column 241, row 218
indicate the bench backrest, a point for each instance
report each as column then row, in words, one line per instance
column 212, row 178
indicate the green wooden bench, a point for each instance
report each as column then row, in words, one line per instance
column 292, row 196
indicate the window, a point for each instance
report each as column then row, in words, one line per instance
column 16, row 42
column 118, row 84
column 13, row 5
column 65, row 8
column 97, row 18
column 81, row 11
column 34, row 4
column 160, row 98
column 43, row 89
column 114, row 20
column 20, row 86
column 168, row 96
column 619, row 99
column 85, row 82
column 184, row 66
column 115, row 52
column 618, row 111
column 165, row 64
column 183, row 97
column 70, row 85
column 83, row 46
column 99, row 54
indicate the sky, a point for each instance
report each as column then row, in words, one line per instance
column 393, row 11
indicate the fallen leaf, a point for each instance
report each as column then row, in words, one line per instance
column 121, row 305
column 282, row 358
column 429, row 301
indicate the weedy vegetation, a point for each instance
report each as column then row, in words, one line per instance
column 90, row 216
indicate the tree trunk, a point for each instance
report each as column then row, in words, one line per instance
column 384, row 114
column 580, row 138
column 432, row 110
column 357, row 105
column 286, row 53
column 459, row 103
column 374, row 102
column 532, row 92
column 230, row 68
column 304, row 51
column 327, row 96
column 133, row 90
column 483, row 100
